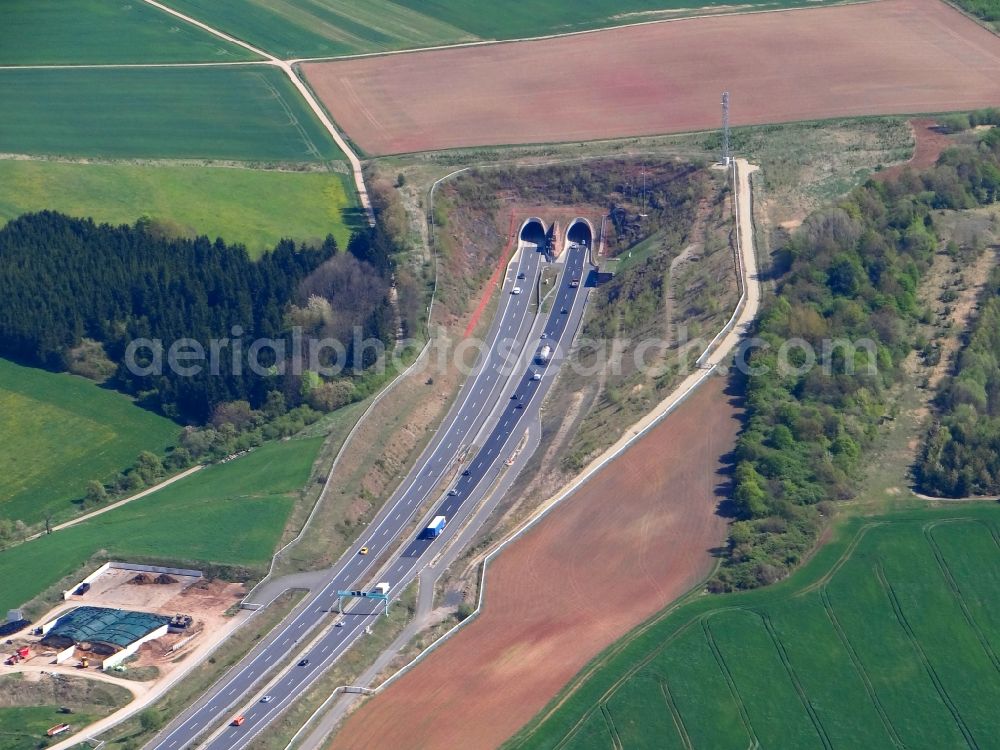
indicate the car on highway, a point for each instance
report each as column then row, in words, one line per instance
column 452, row 492
column 466, row 473
column 304, row 663
column 238, row 721
column 519, row 405
column 535, row 375
column 544, row 335
column 363, row 551
column 516, row 290
column 340, row 624
column 521, row 275
column 564, row 311
column 575, row 283
column 267, row 699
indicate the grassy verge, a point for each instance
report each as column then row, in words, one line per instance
column 130, row 734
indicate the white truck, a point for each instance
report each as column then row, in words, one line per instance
column 544, row 354
column 381, row 588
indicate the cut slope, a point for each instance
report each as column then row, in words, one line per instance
column 895, row 56
column 631, row 540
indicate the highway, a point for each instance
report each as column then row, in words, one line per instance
column 483, row 408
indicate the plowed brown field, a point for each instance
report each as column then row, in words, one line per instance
column 630, row 541
column 893, row 56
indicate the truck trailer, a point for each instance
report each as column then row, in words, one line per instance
column 434, row 528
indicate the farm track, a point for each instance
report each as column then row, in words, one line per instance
column 268, row 59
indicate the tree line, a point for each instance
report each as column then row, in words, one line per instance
column 851, row 273
column 961, row 455
column 74, row 294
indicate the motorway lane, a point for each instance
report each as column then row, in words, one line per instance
column 465, row 419
column 481, row 470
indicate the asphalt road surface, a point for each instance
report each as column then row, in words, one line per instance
column 476, row 401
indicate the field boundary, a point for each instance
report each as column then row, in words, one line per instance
column 578, row 32
column 304, row 91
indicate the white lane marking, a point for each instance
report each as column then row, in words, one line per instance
column 396, row 517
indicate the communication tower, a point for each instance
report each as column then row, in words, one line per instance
column 725, row 129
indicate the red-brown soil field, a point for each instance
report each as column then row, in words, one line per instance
column 885, row 57
column 634, row 538
column 929, row 142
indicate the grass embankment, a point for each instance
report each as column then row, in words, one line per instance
column 45, row 32
column 61, row 431
column 301, row 28
column 30, row 705
column 250, row 206
column 888, row 637
column 227, row 515
column 246, row 113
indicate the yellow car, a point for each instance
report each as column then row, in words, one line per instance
column 363, row 551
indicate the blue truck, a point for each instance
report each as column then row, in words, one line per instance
column 434, row 528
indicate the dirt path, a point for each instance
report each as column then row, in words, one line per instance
column 120, row 503
column 269, row 59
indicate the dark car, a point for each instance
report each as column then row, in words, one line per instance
column 521, row 275
column 466, row 473
column 519, row 405
column 304, row 663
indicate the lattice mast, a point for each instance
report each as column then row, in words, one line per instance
column 725, row 128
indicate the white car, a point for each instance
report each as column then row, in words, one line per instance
column 516, row 290
column 267, row 699
column 536, row 375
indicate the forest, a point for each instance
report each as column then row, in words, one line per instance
column 74, row 294
column 961, row 456
column 850, row 273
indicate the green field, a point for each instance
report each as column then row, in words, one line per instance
column 251, row 206
column 60, row 431
column 890, row 637
column 228, row 514
column 321, row 28
column 23, row 728
column 247, row 113
column 36, row 32
column 325, row 28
